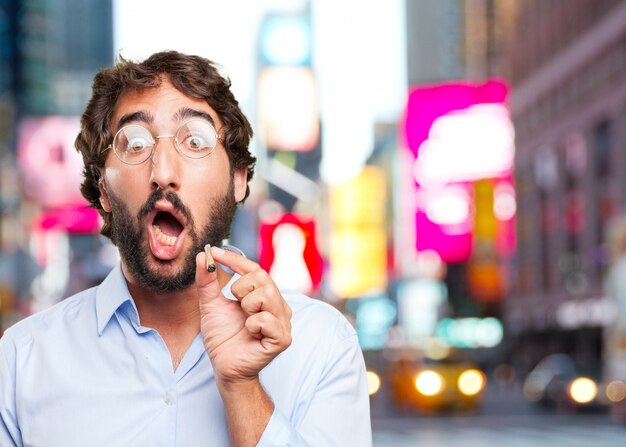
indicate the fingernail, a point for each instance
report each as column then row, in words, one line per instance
column 218, row 250
column 210, row 263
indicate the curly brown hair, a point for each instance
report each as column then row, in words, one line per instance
column 194, row 76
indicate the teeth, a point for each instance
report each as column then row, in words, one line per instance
column 162, row 237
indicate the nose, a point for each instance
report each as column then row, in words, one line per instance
column 165, row 173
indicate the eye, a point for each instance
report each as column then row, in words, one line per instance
column 137, row 144
column 195, row 142
column 196, row 138
column 133, row 139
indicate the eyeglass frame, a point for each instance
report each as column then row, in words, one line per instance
column 156, row 138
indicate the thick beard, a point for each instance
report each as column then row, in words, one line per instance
column 129, row 236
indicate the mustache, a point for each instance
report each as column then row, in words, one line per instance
column 171, row 197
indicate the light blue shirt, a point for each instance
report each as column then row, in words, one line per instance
column 86, row 373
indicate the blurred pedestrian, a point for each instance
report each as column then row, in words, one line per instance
column 169, row 350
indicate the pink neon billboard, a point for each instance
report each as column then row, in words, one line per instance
column 51, row 167
column 456, row 134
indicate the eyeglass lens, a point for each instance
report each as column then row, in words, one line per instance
column 134, row 144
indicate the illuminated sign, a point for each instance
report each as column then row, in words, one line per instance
column 288, row 112
column 70, row 219
column 288, row 252
column 471, row 332
column 465, row 145
column 374, row 317
column 457, row 134
column 420, row 302
column 51, row 167
column 358, row 239
column 286, row 40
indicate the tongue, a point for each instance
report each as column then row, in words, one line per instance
column 169, row 229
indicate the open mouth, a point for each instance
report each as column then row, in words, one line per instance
column 167, row 228
column 166, row 232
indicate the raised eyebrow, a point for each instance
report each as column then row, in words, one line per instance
column 141, row 116
column 187, row 113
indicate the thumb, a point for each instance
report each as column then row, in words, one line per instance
column 206, row 282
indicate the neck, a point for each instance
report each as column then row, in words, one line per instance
column 166, row 311
column 174, row 315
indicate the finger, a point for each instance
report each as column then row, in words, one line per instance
column 273, row 331
column 236, row 262
column 266, row 298
column 251, row 281
column 206, row 282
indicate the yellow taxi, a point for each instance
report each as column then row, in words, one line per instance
column 436, row 386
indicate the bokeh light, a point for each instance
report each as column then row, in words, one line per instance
column 583, row 390
column 373, row 383
column 471, row 382
column 429, row 383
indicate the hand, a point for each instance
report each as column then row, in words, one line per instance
column 241, row 337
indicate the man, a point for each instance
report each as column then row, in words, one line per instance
column 169, row 351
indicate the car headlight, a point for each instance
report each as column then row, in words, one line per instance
column 429, row 383
column 583, row 390
column 616, row 391
column 373, row 382
column 471, row 382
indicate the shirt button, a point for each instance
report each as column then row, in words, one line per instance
column 168, row 399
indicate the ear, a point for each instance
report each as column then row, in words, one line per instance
column 104, row 197
column 240, row 183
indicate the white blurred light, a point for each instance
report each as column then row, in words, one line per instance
column 373, row 383
column 471, row 332
column 504, row 203
column 361, row 75
column 489, row 332
column 471, row 382
column 477, row 142
column 429, row 383
column 289, row 270
column 288, row 114
column 286, row 40
column 588, row 312
column 583, row 390
column 437, row 349
column 419, row 305
column 449, row 206
column 428, row 264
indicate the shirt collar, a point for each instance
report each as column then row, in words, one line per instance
column 113, row 292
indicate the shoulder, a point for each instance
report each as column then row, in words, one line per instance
column 59, row 317
column 324, row 347
column 312, row 315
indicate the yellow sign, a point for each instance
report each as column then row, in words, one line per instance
column 358, row 240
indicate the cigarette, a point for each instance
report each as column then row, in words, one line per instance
column 210, row 263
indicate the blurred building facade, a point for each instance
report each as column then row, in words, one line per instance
column 456, row 39
column 459, row 41
column 567, row 65
column 49, row 52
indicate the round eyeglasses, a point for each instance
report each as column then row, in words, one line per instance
column 134, row 144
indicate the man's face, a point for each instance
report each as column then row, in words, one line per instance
column 127, row 232
column 166, row 209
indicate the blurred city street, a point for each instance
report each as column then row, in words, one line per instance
column 450, row 175
column 506, row 420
